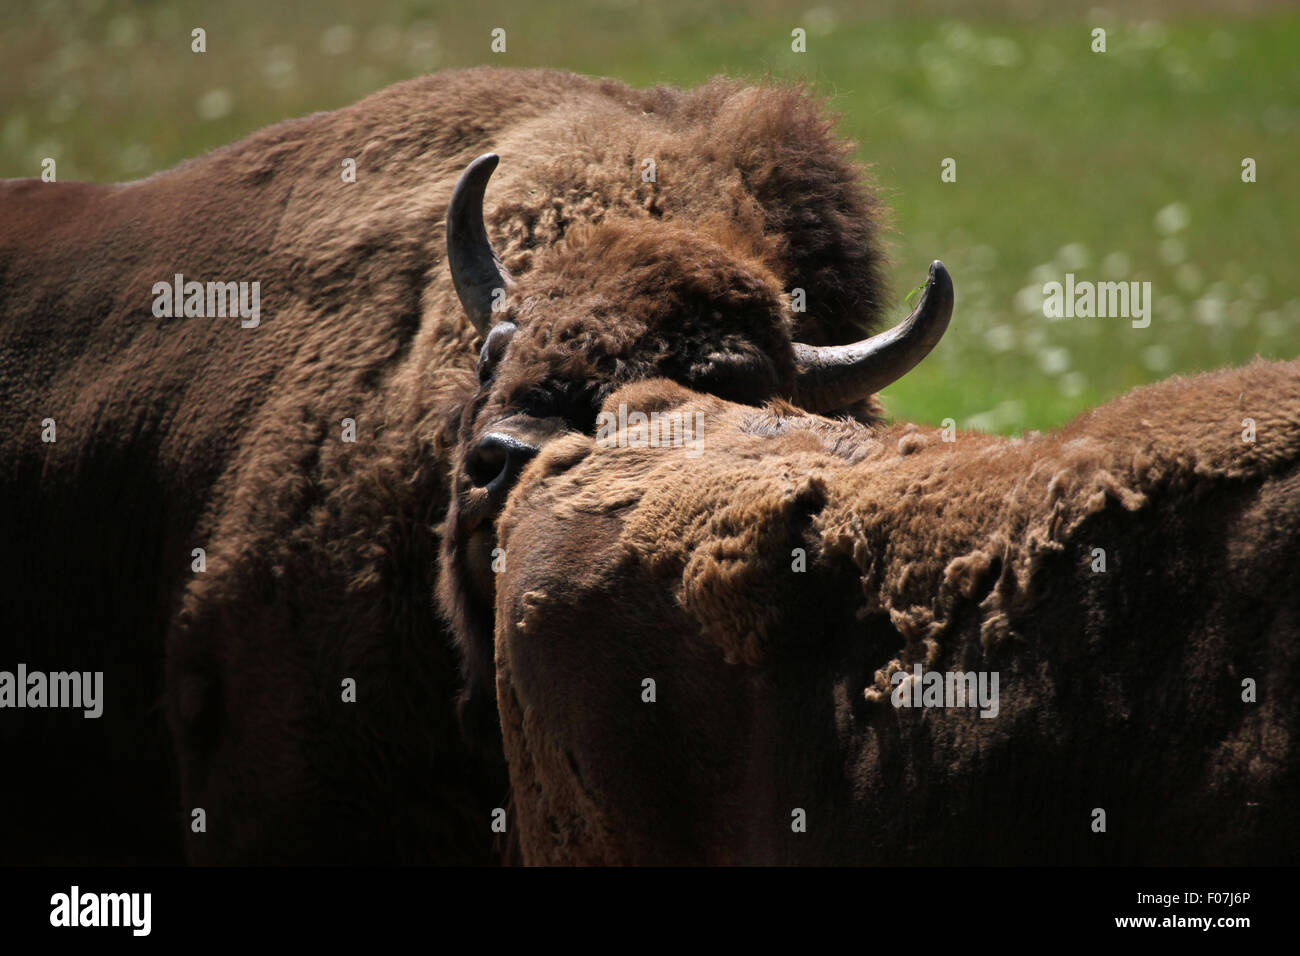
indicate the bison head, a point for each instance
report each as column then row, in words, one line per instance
column 616, row 302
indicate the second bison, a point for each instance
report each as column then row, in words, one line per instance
column 726, row 651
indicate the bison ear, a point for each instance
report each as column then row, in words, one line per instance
column 476, row 271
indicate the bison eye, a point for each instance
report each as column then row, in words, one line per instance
column 577, row 406
column 494, row 346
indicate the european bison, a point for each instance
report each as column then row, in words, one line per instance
column 300, row 429
column 710, row 653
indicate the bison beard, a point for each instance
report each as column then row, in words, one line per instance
column 1120, row 690
column 222, row 687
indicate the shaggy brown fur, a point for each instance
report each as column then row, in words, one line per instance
column 1119, row 690
column 321, row 555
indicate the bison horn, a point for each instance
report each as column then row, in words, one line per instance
column 830, row 377
column 475, row 269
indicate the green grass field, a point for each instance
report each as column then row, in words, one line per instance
column 1122, row 165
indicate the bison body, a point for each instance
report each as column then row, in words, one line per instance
column 225, row 673
column 1130, row 579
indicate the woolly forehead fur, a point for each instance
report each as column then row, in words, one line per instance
column 930, row 525
column 761, row 163
column 624, row 275
column 619, row 302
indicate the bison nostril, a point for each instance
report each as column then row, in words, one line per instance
column 485, row 463
column 498, row 460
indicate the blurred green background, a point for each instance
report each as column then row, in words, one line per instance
column 1123, row 165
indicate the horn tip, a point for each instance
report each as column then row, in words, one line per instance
column 939, row 279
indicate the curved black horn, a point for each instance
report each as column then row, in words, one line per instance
column 831, row 377
column 475, row 269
